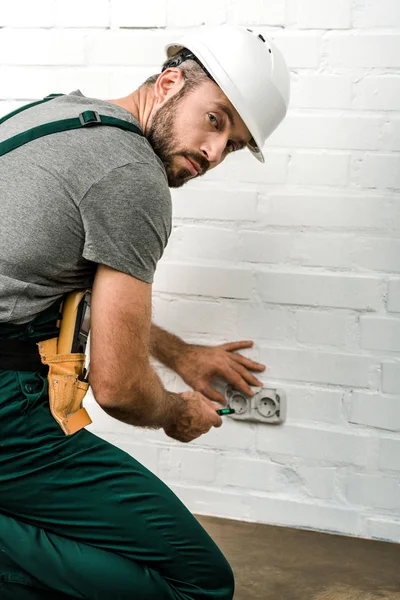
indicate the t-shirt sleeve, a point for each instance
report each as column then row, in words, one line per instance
column 127, row 219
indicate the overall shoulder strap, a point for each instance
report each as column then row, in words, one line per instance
column 18, row 110
column 86, row 118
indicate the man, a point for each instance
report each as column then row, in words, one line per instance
column 91, row 208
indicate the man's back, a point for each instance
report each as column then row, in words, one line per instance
column 71, row 200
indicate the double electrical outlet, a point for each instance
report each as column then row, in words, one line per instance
column 266, row 406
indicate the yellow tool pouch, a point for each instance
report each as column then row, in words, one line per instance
column 66, row 390
column 66, row 361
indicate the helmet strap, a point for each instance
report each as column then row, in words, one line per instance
column 183, row 55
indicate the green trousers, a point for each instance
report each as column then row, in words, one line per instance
column 80, row 518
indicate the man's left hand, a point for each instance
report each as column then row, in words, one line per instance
column 199, row 364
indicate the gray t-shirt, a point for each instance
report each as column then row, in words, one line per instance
column 71, row 200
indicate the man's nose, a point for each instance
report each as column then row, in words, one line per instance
column 213, row 151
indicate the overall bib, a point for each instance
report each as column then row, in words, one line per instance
column 80, row 518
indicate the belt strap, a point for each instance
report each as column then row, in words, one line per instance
column 20, row 355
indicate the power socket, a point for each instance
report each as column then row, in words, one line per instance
column 266, row 406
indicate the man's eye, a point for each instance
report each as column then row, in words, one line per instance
column 213, row 119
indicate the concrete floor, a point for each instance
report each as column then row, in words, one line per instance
column 278, row 563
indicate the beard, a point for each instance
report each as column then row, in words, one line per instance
column 160, row 135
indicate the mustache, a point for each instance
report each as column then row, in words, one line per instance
column 203, row 163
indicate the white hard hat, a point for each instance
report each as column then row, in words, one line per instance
column 249, row 69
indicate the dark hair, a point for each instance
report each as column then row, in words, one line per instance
column 193, row 72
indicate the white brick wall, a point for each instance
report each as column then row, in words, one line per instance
column 300, row 254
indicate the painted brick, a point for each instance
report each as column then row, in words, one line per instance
column 334, row 132
column 322, row 91
column 322, row 328
column 312, row 405
column 215, row 204
column 127, row 47
column 383, row 529
column 380, row 333
column 26, row 82
column 125, row 79
column 203, row 281
column 75, row 13
column 300, row 49
column 389, row 454
column 257, row 12
column 391, row 379
column 20, row 13
column 188, row 464
column 209, row 243
column 323, row 250
column 394, row 296
column 313, row 168
column 322, row 210
column 41, row 47
column 263, row 247
column 233, row 435
column 378, row 93
column 207, row 12
column 241, row 167
column 364, row 50
column 194, row 316
column 319, row 444
column 323, row 14
column 100, row 82
column 377, row 13
column 380, row 171
column 378, row 254
column 318, row 367
column 318, row 481
column 374, row 490
column 336, row 291
column 375, row 410
column 391, row 134
column 152, row 13
column 260, row 321
column 284, row 511
column 253, row 473
column 96, row 82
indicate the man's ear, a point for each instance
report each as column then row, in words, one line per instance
column 169, row 82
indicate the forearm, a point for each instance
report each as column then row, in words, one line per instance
column 148, row 405
column 166, row 347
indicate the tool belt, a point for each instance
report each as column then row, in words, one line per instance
column 21, row 355
column 62, row 359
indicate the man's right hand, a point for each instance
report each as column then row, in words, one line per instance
column 198, row 415
column 122, row 378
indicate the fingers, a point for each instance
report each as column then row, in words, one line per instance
column 246, row 374
column 232, row 346
column 216, row 419
column 236, row 378
column 246, row 362
column 212, row 394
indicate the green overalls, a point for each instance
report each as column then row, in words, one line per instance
column 80, row 518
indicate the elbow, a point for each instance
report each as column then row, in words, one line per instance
column 122, row 403
column 113, row 394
